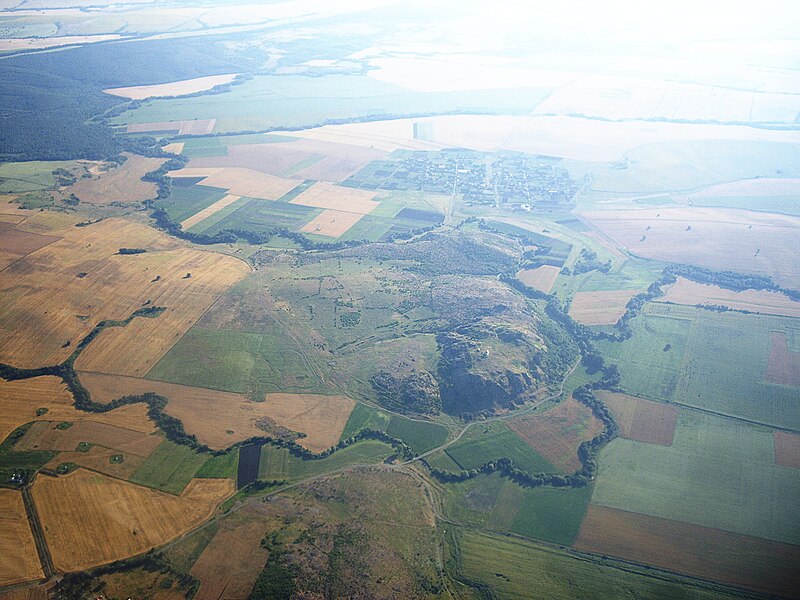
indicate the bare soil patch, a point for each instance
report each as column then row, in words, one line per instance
column 600, row 308
column 557, row 433
column 331, row 223
column 230, row 565
column 787, row 449
column 541, row 278
column 334, row 197
column 119, row 184
column 716, row 238
column 685, row 291
column 91, row 519
column 745, row 561
column 174, row 88
column 20, row 561
column 642, row 420
column 240, row 181
column 783, row 366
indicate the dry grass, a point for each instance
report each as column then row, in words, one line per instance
column 783, row 366
column 90, row 519
column 240, row 181
column 600, row 308
column 209, row 210
column 98, row 459
column 333, row 197
column 174, row 147
column 175, row 88
column 194, row 127
column 787, row 449
column 44, row 303
column 642, row 420
column 557, row 433
column 211, row 414
column 541, row 278
column 745, row 561
column 39, row 592
column 685, row 291
column 19, row 401
column 19, row 243
column 720, row 239
column 119, row 184
column 20, row 561
column 50, row 437
column 331, row 223
column 230, row 565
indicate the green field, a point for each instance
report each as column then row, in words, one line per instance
column 223, row 466
column 495, row 441
column 518, row 569
column 236, row 361
column 217, row 145
column 647, row 368
column 365, row 417
column 267, row 102
column 183, row 202
column 262, row 216
column 31, row 176
column 169, row 468
column 421, row 436
column 277, row 463
column 718, row 473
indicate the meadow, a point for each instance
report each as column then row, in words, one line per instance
column 279, row 464
column 170, row 467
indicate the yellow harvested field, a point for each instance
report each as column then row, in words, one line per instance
column 334, row 197
column 753, row 187
column 569, row 137
column 47, row 436
column 241, row 181
column 98, row 459
column 716, row 238
column 175, row 88
column 58, row 293
column 47, row 222
column 193, row 127
column 685, row 291
column 541, row 278
column 18, row 44
column 119, row 184
column 600, row 308
column 20, row 561
column 91, row 519
column 208, row 211
column 230, row 565
column 19, row 401
column 211, row 414
column 321, row 418
column 174, row 147
column 331, row 223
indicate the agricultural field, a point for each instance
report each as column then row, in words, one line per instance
column 514, row 567
column 174, row 88
column 787, row 449
column 87, row 518
column 170, row 467
column 739, row 560
column 600, row 308
column 557, row 433
column 699, row 478
column 642, row 420
column 279, row 464
column 541, row 278
column 112, row 183
column 20, row 559
column 685, row 291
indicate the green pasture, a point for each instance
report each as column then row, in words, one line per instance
column 169, row 468
column 278, row 463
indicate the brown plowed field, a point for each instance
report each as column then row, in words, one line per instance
column 745, row 561
column 557, row 433
column 331, row 223
column 716, row 238
column 90, row 519
column 600, row 308
column 230, row 565
column 19, row 401
column 210, row 414
column 19, row 562
column 642, row 420
column 19, row 243
column 787, row 449
column 119, row 184
column 334, row 197
column 541, row 278
column 685, row 291
column 783, row 366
